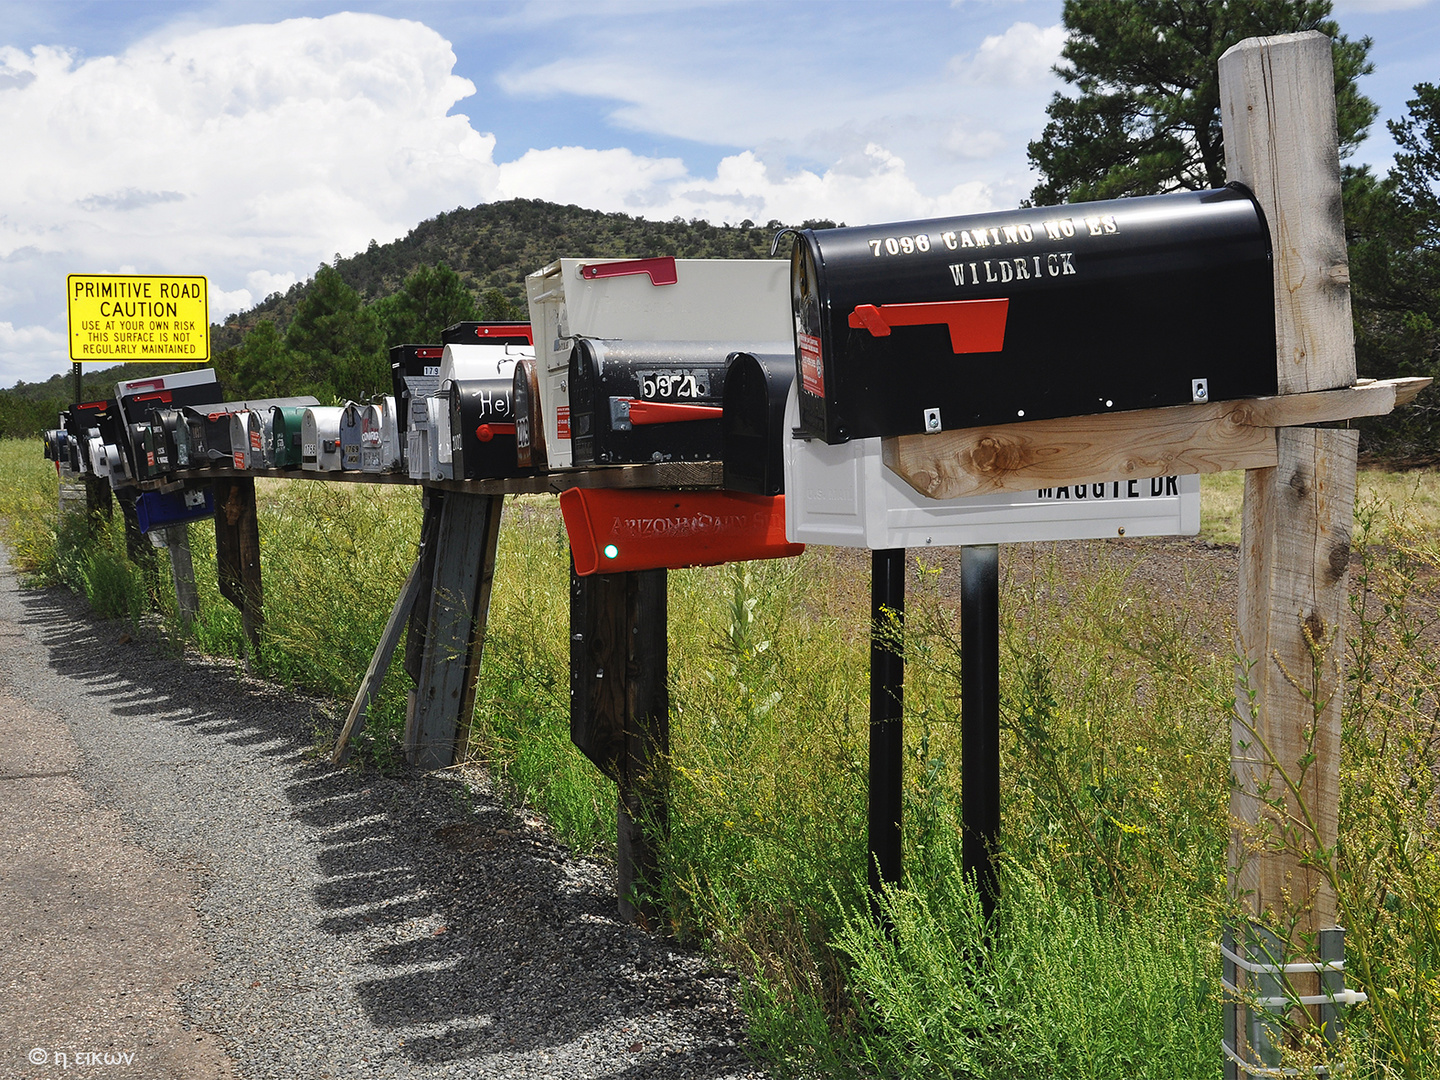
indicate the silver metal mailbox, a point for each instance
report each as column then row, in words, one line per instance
column 320, row 438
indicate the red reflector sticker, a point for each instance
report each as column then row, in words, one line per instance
column 812, row 376
column 562, row 422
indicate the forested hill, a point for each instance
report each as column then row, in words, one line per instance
column 494, row 245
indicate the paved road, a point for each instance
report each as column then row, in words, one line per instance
column 180, row 881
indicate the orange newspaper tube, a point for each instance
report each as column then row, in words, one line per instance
column 615, row 531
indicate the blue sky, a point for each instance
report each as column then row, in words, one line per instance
column 249, row 142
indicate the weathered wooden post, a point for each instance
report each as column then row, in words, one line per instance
column 182, row 569
column 237, row 552
column 467, row 537
column 620, row 710
column 1278, row 109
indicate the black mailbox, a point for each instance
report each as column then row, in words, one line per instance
column 1033, row 314
column 643, row 401
column 415, row 375
column 752, row 429
column 80, row 420
column 487, row 333
column 57, row 445
column 146, row 447
column 169, row 425
column 209, row 431
column 141, row 408
column 482, row 428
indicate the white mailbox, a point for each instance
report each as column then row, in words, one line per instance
column 379, row 437
column 320, row 438
column 844, row 496
column 661, row 299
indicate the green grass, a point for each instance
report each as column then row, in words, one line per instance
column 1101, row 961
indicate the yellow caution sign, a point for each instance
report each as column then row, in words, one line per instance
column 138, row 318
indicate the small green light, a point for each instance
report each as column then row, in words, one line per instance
column 611, row 551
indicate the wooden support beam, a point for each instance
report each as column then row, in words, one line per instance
column 620, row 713
column 467, row 539
column 182, row 569
column 1213, row 437
column 379, row 663
column 237, row 552
column 1278, row 110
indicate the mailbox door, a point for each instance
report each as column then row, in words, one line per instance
column 1033, row 314
column 442, row 459
column 351, row 420
column 529, row 424
column 753, row 432
column 240, row 440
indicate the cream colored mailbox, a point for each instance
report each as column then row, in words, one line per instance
column 662, row 299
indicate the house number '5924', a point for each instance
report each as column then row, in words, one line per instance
column 899, row 245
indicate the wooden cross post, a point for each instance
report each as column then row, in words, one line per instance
column 466, row 541
column 1278, row 107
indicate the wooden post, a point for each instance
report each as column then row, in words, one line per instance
column 182, row 569
column 379, row 664
column 1278, row 110
column 433, row 498
column 466, row 542
column 620, row 712
column 237, row 552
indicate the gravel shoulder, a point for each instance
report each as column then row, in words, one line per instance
column 183, row 881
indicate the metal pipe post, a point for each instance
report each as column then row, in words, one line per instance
column 980, row 713
column 887, row 682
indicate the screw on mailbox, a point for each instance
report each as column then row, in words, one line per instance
column 932, row 420
column 1200, row 389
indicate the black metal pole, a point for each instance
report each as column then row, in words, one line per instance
column 887, row 681
column 75, row 368
column 980, row 713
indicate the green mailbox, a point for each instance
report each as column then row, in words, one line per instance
column 285, row 431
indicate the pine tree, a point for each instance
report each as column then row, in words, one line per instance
column 1146, row 118
column 337, row 343
column 1393, row 226
column 431, row 299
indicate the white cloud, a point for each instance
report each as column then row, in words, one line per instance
column 246, row 153
column 1020, row 57
column 875, row 188
column 32, row 353
column 252, row 153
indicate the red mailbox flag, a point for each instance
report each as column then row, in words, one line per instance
column 613, row 531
